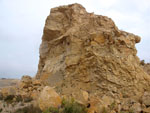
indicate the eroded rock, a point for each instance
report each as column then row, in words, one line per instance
column 146, row 99
column 83, row 51
column 49, row 98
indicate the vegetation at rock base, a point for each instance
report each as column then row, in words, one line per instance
column 1, row 110
column 68, row 106
column 9, row 99
column 29, row 109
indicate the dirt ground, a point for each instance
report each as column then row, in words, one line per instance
column 8, row 82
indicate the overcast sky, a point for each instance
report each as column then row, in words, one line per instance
column 22, row 22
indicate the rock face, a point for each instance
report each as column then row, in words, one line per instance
column 81, row 51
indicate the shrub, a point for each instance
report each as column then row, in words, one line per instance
column 1, row 110
column 68, row 106
column 29, row 109
column 9, row 98
column 52, row 110
column 19, row 98
column 73, row 107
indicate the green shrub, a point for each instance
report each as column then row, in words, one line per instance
column 1, row 110
column 19, row 98
column 124, row 112
column 52, row 110
column 73, row 107
column 29, row 109
column 9, row 98
column 68, row 106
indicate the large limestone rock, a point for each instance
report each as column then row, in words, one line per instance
column 81, row 51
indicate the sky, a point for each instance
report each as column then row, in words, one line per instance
column 22, row 23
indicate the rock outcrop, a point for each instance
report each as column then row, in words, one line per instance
column 81, row 51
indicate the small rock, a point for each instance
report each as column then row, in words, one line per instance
column 30, row 88
column 137, row 39
column 85, row 95
column 107, row 101
column 36, row 83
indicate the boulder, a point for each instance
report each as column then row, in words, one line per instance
column 49, row 98
column 26, row 79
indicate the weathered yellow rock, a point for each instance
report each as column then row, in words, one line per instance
column 136, row 108
column 92, row 109
column 35, row 95
column 85, row 95
column 146, row 110
column 26, row 79
column 23, row 85
column 84, row 51
column 49, row 98
column 36, row 82
column 106, row 101
column 146, row 98
column 99, row 38
column 94, row 105
column 8, row 91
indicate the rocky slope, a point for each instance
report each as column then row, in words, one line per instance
column 81, row 51
column 21, row 98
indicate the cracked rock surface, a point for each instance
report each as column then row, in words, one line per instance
column 82, row 51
